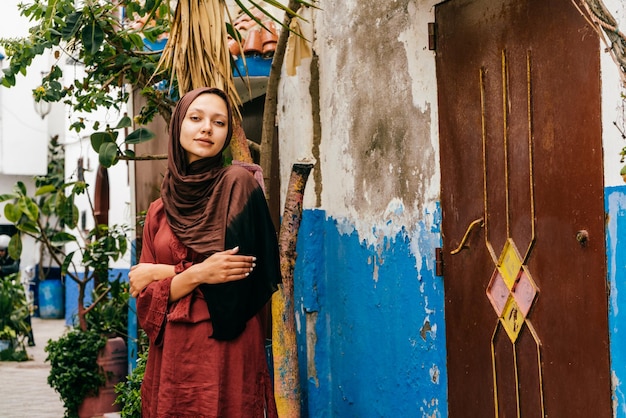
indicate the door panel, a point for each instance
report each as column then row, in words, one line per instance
column 520, row 132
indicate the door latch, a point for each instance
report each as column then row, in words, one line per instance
column 478, row 222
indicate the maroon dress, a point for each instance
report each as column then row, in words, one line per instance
column 188, row 373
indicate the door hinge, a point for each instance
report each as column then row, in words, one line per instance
column 432, row 36
column 438, row 262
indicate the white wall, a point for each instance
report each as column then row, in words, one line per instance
column 613, row 104
column 23, row 134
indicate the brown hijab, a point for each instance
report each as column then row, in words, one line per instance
column 209, row 208
column 194, row 209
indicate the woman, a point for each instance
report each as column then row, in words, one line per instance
column 208, row 266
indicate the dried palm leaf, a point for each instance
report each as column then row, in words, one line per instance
column 196, row 52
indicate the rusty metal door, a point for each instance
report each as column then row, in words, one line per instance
column 523, row 213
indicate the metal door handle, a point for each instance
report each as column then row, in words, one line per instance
column 462, row 246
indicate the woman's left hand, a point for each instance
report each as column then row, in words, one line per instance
column 142, row 274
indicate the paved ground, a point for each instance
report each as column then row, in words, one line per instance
column 24, row 390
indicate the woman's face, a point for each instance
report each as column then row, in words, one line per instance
column 205, row 127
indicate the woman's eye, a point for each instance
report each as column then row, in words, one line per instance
column 219, row 123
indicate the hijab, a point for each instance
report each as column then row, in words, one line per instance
column 209, row 208
column 192, row 206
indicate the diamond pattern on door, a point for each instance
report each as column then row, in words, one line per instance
column 511, row 290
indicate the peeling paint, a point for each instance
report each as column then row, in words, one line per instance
column 615, row 203
column 434, row 374
column 382, row 298
column 619, row 400
column 311, row 341
column 425, row 328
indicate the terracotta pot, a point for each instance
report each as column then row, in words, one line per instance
column 113, row 360
column 244, row 25
column 254, row 44
column 269, row 39
column 233, row 47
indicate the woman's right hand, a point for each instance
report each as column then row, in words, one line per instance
column 224, row 266
column 221, row 267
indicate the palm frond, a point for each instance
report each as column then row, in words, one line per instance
column 196, row 52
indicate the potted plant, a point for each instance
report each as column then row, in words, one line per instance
column 75, row 373
column 87, row 364
column 14, row 326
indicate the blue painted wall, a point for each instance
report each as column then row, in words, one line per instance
column 615, row 201
column 375, row 317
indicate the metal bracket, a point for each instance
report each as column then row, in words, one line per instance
column 432, row 36
column 439, row 262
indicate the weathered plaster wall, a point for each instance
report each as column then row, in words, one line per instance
column 613, row 105
column 370, row 308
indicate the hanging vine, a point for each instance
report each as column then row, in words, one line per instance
column 601, row 19
column 607, row 27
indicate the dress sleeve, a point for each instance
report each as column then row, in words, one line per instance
column 152, row 302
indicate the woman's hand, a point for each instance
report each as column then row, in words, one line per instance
column 222, row 267
column 142, row 274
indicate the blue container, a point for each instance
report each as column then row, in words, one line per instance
column 256, row 67
column 51, row 299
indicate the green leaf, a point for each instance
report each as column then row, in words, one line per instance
column 99, row 138
column 15, row 247
column 28, row 208
column 136, row 40
column 72, row 23
column 9, row 79
column 125, row 122
column 71, row 214
column 66, row 262
column 92, row 37
column 45, row 189
column 20, row 188
column 5, row 197
column 123, row 244
column 138, row 136
column 28, row 227
column 108, row 154
column 62, row 238
column 12, row 212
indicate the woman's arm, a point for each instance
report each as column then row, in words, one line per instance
column 220, row 267
column 142, row 274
